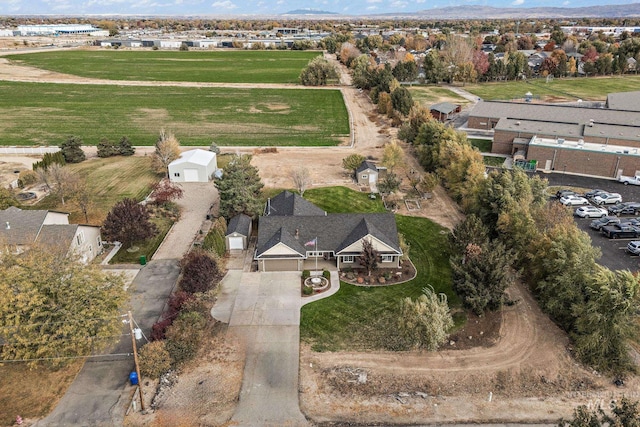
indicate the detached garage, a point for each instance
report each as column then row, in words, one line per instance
column 238, row 232
column 193, row 166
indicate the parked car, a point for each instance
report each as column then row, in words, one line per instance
column 573, row 200
column 626, row 180
column 607, row 198
column 628, row 208
column 621, row 231
column 562, row 193
column 590, row 211
column 633, row 247
column 597, row 224
column 593, row 193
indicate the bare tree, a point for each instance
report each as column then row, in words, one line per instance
column 83, row 197
column 301, row 178
column 59, row 180
column 167, row 150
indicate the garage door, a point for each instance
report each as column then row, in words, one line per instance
column 236, row 243
column 191, row 175
column 281, row 265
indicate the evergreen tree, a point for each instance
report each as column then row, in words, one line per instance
column 72, row 150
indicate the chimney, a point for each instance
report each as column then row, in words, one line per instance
column 297, row 233
column 8, row 227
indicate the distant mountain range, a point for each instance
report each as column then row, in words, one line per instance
column 488, row 12
column 309, row 12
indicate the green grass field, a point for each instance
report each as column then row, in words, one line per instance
column 429, row 95
column 110, row 180
column 47, row 113
column 484, row 145
column 567, row 89
column 337, row 322
column 233, row 66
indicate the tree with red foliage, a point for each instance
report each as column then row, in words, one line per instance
column 128, row 222
column 166, row 191
column 199, row 270
column 480, row 63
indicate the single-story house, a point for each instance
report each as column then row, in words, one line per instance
column 20, row 229
column 193, row 166
column 293, row 233
column 238, row 232
column 442, row 110
column 369, row 173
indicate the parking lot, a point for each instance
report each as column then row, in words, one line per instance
column 614, row 255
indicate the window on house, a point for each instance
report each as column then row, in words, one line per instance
column 176, row 174
column 386, row 258
column 99, row 241
column 365, row 176
column 80, row 238
column 347, row 259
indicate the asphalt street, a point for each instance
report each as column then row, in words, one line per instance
column 614, row 255
column 99, row 396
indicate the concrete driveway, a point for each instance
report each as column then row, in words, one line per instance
column 263, row 311
column 195, row 204
column 99, row 396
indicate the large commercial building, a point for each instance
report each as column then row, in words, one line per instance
column 59, row 30
column 569, row 138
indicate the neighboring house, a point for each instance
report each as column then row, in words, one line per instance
column 238, row 232
column 21, row 229
column 369, row 173
column 193, row 166
column 442, row 110
column 293, row 232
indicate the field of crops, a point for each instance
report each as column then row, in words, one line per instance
column 203, row 66
column 47, row 113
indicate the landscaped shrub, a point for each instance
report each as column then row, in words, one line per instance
column 326, row 274
column 27, row 177
column 199, row 271
column 155, row 360
column 49, row 159
column 159, row 329
column 214, row 240
column 305, row 274
column 72, row 150
column 184, row 336
column 307, row 290
column 106, row 148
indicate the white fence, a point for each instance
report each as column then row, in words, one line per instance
column 28, row 150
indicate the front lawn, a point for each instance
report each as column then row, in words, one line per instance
column 343, row 200
column 147, row 247
column 337, row 323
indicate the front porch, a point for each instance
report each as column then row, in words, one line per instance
column 310, row 264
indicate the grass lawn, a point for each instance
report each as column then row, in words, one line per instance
column 429, row 95
column 46, row 114
column 484, row 145
column 343, row 200
column 493, row 160
column 32, row 393
column 568, row 89
column 110, row 180
column 147, row 247
column 232, row 66
column 336, row 323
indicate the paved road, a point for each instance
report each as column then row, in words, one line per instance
column 100, row 394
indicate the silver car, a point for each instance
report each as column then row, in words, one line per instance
column 633, row 247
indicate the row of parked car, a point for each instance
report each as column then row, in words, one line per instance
column 607, row 219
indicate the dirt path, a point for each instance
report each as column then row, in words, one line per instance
column 529, row 373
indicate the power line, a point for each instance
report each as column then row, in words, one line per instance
column 60, row 321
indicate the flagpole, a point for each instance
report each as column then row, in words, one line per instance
column 316, row 254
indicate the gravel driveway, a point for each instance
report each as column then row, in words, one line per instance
column 197, row 200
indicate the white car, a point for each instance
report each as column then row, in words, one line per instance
column 607, row 199
column 572, row 200
column 590, row 212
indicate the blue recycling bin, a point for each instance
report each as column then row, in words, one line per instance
column 133, row 378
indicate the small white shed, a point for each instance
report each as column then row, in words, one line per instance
column 193, row 166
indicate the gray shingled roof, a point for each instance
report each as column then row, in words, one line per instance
column 366, row 164
column 555, row 113
column 334, row 232
column 288, row 203
column 240, row 224
column 59, row 235
column 629, row 101
column 444, row 107
column 23, row 225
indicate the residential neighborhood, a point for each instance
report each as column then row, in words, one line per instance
column 313, row 218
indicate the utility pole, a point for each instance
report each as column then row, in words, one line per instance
column 135, row 359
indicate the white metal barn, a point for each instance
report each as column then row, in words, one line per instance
column 193, row 166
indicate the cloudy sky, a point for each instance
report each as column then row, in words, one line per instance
column 259, row 7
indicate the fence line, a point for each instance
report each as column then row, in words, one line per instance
column 28, row 150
